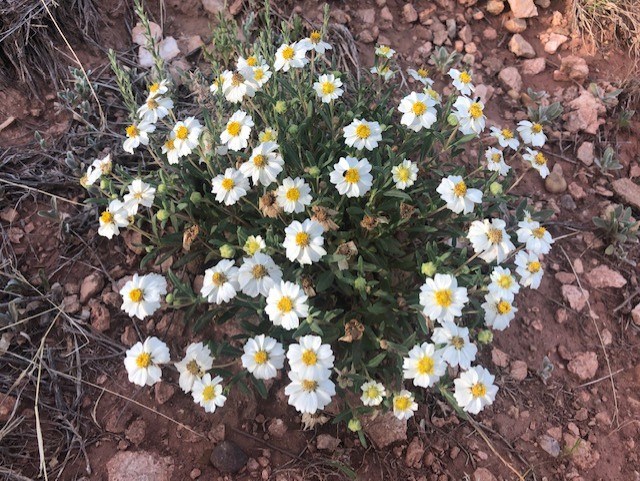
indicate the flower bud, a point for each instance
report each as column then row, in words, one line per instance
column 360, row 283
column 495, row 188
column 428, row 269
column 162, row 188
column 314, row 171
column 195, row 197
column 169, row 298
column 354, row 425
column 281, row 107
column 293, row 129
column 162, row 215
column 485, row 337
column 227, row 251
column 104, row 184
column 452, row 120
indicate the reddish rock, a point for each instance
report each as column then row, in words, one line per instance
column 519, row 370
column 163, row 392
column 520, row 47
column 629, row 191
column 327, row 442
column 586, row 153
column 523, row 8
column 136, row 431
column 100, row 316
column 584, row 114
column 534, row 66
column 7, row 404
column 483, row 474
column 499, row 358
column 635, row 315
column 91, row 285
column 584, row 365
column 128, row 465
column 71, row 304
column 582, row 453
column 576, row 297
column 415, row 452
column 603, row 276
column 572, row 67
column 409, row 13
column 385, row 429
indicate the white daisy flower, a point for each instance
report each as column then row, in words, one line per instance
column 404, row 405
column 490, row 239
column 261, row 74
column 383, row 71
column 293, row 195
column 195, row 364
column 141, row 295
column 538, row 161
column 230, row 187
column 113, row 218
column 535, row 237
column 220, row 283
column 254, row 244
column 441, row 298
column 249, row 62
column 503, row 283
column 372, row 393
column 214, row 88
column 309, row 395
column 421, row 75
column 290, row 56
column 474, row 389
column 314, row 42
column 405, row 174
column 236, row 134
column 532, row 133
column 169, row 149
column 433, row 94
column 158, row 88
column 495, row 161
column 236, row 85
column 527, row 221
column 505, row 137
column 303, row 241
column 104, row 165
column 140, row 194
column 457, row 350
column 91, row 176
column 207, row 392
column 498, row 311
column 268, row 135
column 529, row 269
column 459, row 198
column 418, row 111
column 328, row 88
column 385, row 51
column 137, row 134
column 462, row 81
column 352, row 176
column 185, row 135
column 154, row 109
column 424, row 365
column 363, row 134
column 470, row 115
column 263, row 356
column 143, row 361
column 264, row 165
column 258, row 274
column 286, row 305
column 310, row 358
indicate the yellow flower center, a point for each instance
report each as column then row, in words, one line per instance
column 432, row 93
column 260, row 357
column 539, row 232
column 227, row 184
column 169, row 144
column 372, row 392
column 259, row 271
column 309, row 385
column 384, row 50
column 507, row 134
column 540, row 159
column 234, row 128
column 132, row 131
column 444, row 297
column 465, row 78
column 209, row 393
column 363, row 131
column 478, row 390
column 259, row 160
column 252, row 61
column 293, row 194
column 193, row 367
column 534, row 267
column 536, row 128
column 182, row 133
column 422, row 72
column 152, row 104
column 309, row 358
column 106, row 217
column 302, row 239
column 154, row 87
column 496, row 158
column 494, row 235
column 457, row 342
column 425, row 365
column 403, row 174
column 143, row 360
column 218, row 278
column 237, row 79
column 328, row 88
column 266, row 136
column 460, row 189
column 136, row 294
column 252, row 246
column 475, row 111
column 258, row 74
column 352, row 175
column 503, row 307
column 285, row 304
column 315, row 36
column 505, row 281
column 288, row 52
column 401, row 403
column 419, row 108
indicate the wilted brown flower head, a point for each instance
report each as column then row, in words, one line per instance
column 268, row 205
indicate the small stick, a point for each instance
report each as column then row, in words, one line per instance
column 7, row 123
column 595, row 381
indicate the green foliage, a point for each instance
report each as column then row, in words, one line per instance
column 617, row 228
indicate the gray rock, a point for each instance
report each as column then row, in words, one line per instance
column 520, row 47
column 586, row 153
column 452, row 28
column 549, row 445
column 534, row 66
column 629, row 191
column 91, row 285
column 567, row 202
column 510, row 79
column 228, row 458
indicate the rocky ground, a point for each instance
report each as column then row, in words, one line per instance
column 569, row 367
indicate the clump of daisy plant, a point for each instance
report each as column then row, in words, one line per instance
column 361, row 233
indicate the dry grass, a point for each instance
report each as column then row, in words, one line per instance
column 607, row 22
